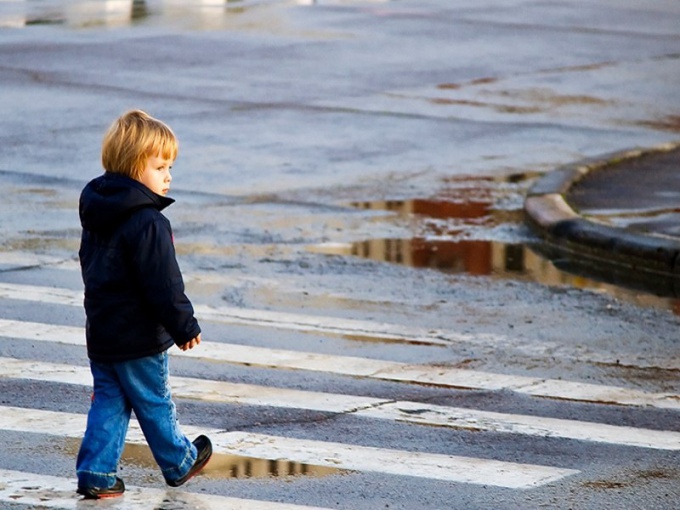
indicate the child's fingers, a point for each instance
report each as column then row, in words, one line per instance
column 191, row 343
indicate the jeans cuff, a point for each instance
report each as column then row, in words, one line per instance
column 175, row 473
column 93, row 479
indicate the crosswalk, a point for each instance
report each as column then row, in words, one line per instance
column 23, row 488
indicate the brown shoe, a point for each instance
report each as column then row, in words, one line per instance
column 204, row 447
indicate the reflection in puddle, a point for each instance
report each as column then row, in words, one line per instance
column 472, row 257
column 466, row 205
column 234, row 466
column 231, row 466
column 220, row 466
column 469, row 206
column 518, row 262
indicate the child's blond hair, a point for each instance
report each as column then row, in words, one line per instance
column 132, row 139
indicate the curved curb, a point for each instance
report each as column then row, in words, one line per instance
column 553, row 219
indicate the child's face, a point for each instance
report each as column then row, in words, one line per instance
column 156, row 175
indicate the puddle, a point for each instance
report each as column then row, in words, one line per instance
column 221, row 466
column 471, row 257
column 450, row 226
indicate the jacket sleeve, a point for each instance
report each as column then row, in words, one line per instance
column 157, row 272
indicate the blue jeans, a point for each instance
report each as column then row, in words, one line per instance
column 119, row 388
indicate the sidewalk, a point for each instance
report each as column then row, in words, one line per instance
column 620, row 211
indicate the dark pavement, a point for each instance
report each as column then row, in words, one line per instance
column 641, row 195
column 618, row 214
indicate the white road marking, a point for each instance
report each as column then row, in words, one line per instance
column 43, row 491
column 442, row 467
column 375, row 369
column 401, row 411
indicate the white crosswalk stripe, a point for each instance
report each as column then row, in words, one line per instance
column 404, row 411
column 374, row 369
column 43, row 491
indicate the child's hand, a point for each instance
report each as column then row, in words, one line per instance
column 191, row 343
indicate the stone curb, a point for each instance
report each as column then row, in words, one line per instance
column 553, row 219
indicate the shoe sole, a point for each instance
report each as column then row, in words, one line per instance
column 199, row 468
column 89, row 495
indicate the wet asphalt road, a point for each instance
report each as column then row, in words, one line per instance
column 353, row 161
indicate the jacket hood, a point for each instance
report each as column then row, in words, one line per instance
column 110, row 198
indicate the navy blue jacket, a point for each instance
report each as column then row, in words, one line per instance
column 134, row 293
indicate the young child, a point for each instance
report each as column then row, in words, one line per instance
column 136, row 308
